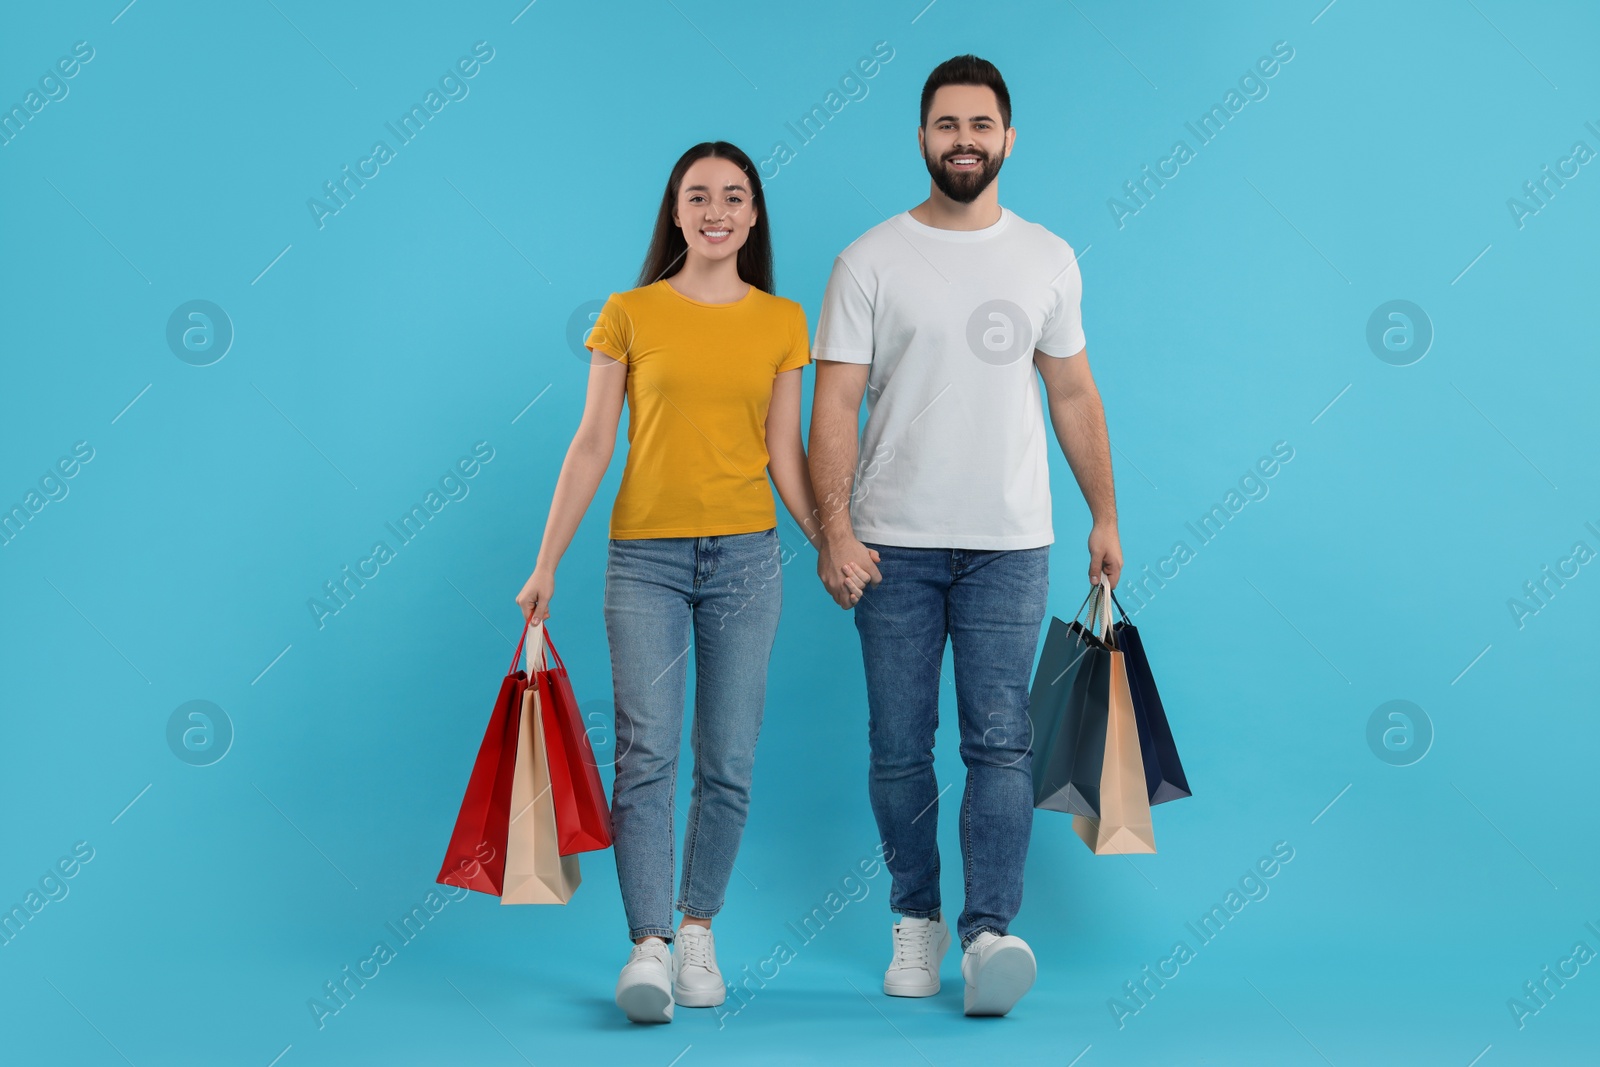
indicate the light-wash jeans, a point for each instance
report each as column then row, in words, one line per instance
column 727, row 590
column 990, row 604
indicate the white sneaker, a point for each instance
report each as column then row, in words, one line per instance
column 697, row 982
column 998, row 971
column 919, row 946
column 644, row 989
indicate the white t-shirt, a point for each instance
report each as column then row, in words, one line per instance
column 954, row 454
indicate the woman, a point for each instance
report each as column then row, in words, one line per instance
column 709, row 362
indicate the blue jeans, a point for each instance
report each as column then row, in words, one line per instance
column 728, row 590
column 990, row 604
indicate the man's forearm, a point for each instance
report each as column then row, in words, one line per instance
column 833, row 453
column 1080, row 425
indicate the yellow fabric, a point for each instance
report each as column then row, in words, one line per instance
column 700, row 381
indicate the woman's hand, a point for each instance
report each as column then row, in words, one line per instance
column 534, row 600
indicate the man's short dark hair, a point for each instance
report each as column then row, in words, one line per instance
column 967, row 70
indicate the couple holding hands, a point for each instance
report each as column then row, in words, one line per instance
column 932, row 523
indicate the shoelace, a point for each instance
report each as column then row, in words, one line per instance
column 694, row 951
column 911, row 947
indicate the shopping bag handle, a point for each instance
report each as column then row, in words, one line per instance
column 1103, row 602
column 516, row 657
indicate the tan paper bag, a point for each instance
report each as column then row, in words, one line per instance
column 535, row 872
column 1124, row 824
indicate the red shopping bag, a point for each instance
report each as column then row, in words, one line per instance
column 583, row 819
column 476, row 857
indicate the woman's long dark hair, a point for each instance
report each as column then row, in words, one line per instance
column 667, row 246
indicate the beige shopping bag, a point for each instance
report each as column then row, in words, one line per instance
column 1124, row 824
column 535, row 872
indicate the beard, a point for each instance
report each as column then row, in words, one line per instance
column 963, row 186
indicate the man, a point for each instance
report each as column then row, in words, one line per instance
column 940, row 315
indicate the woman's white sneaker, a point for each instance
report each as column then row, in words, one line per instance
column 998, row 971
column 919, row 947
column 644, row 989
column 698, row 983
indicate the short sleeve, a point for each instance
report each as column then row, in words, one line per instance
column 799, row 353
column 844, row 328
column 1063, row 331
column 612, row 332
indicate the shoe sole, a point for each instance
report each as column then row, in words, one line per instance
column 644, row 1003
column 708, row 998
column 1007, row 974
column 926, row 989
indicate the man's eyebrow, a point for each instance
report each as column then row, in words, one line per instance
column 975, row 118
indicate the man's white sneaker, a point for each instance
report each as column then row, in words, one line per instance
column 919, row 946
column 698, row 983
column 644, row 989
column 998, row 971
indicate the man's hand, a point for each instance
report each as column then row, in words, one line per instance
column 1105, row 553
column 846, row 568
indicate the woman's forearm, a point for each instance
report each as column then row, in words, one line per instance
column 581, row 473
column 792, row 478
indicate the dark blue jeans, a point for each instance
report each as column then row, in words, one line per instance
column 990, row 604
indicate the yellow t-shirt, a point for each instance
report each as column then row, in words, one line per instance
column 699, row 384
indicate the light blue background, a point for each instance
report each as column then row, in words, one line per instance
column 427, row 315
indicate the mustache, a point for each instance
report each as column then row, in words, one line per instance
column 977, row 153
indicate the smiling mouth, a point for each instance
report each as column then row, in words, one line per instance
column 715, row 235
column 965, row 162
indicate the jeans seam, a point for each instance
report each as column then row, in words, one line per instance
column 691, row 845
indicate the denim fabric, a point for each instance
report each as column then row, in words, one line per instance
column 990, row 604
column 728, row 591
